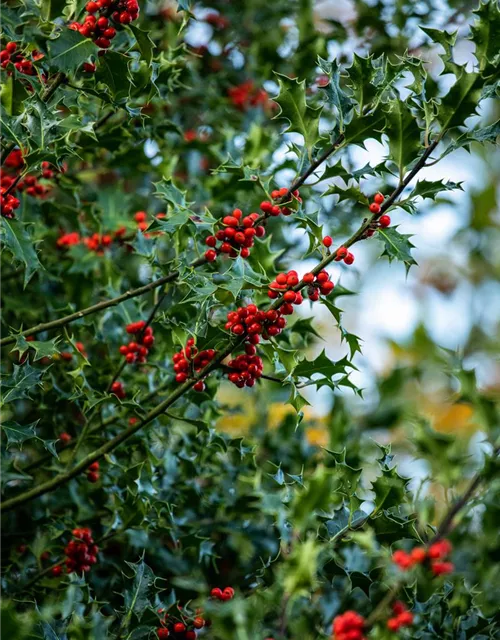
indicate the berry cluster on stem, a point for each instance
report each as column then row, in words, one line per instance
column 81, row 553
column 435, row 557
column 237, row 238
column 137, row 350
column 101, row 15
column 189, row 361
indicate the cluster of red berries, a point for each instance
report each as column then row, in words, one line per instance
column 245, row 368
column 341, row 254
column 141, row 217
column 349, row 626
column 401, row 618
column 186, row 629
column 189, row 361
column 384, row 220
column 222, row 594
column 118, row 390
column 285, row 282
column 252, row 323
column 8, row 203
column 81, row 553
column 318, row 284
column 180, row 630
column 236, row 238
column 275, row 208
column 22, row 64
column 93, row 472
column 137, row 350
column 246, row 95
column 436, row 555
column 100, row 28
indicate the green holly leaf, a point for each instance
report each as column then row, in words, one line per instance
column 397, row 246
column 431, row 188
column 485, row 32
column 18, row 434
column 21, row 383
column 363, row 127
column 113, row 71
column 341, row 102
column 390, row 488
column 144, row 42
column 12, row 96
column 139, row 596
column 70, row 50
column 18, row 241
column 44, row 349
column 461, row 101
column 403, row 133
column 301, row 117
column 361, row 77
column 167, row 190
column 321, row 365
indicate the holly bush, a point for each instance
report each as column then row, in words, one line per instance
column 184, row 186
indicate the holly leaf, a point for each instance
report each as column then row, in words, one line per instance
column 12, row 96
column 341, row 102
column 430, row 188
column 301, row 117
column 138, row 597
column 18, row 434
column 144, row 42
column 44, row 349
column 485, row 32
column 113, row 71
column 397, row 246
column 403, row 133
column 19, row 385
column 321, row 365
column 18, row 241
column 70, row 50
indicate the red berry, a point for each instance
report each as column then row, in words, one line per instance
column 198, row 623
column 327, row 241
column 418, row 555
column 216, row 592
column 125, row 17
column 199, row 386
column 210, row 241
column 289, row 296
column 92, row 7
column 384, row 221
column 190, row 635
column 64, row 437
column 349, row 259
column 393, row 624
column 93, row 477
column 162, row 633
column 379, row 198
column 374, row 207
column 56, row 571
column 210, row 255
column 179, row 627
